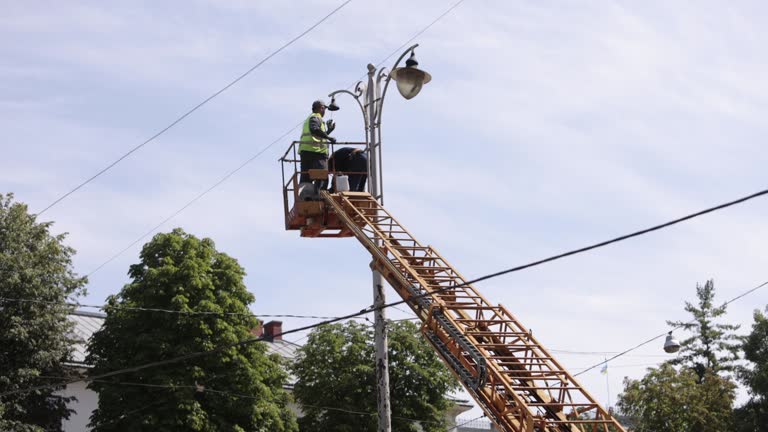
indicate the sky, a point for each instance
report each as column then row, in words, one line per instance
column 547, row 126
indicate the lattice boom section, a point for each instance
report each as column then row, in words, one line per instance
column 518, row 383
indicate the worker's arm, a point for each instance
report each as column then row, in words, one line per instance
column 316, row 129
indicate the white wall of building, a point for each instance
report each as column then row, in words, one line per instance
column 87, row 401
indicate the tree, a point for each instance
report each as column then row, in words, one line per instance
column 753, row 416
column 712, row 347
column 235, row 389
column 34, row 265
column 336, row 380
column 666, row 399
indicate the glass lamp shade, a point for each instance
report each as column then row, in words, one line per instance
column 671, row 345
column 410, row 80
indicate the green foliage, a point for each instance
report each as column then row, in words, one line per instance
column 34, row 265
column 666, row 399
column 753, row 416
column 713, row 346
column 336, row 374
column 181, row 272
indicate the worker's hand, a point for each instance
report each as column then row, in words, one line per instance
column 331, row 125
column 332, row 140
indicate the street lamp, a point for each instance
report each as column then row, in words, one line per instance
column 671, row 345
column 410, row 79
column 370, row 98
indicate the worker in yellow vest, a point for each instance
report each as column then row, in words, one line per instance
column 313, row 150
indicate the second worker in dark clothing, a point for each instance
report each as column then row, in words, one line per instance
column 354, row 163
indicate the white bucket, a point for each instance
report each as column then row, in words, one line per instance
column 342, row 183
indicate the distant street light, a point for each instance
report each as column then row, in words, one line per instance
column 671, row 345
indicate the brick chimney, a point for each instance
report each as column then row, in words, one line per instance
column 258, row 330
column 273, row 331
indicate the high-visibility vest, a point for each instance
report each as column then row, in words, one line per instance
column 310, row 142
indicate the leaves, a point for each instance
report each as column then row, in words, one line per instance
column 753, row 416
column 666, row 399
column 337, row 380
column 698, row 396
column 181, row 272
column 712, row 346
column 34, row 265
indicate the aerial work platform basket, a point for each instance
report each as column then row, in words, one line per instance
column 312, row 218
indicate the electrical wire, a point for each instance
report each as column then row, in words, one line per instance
column 420, row 32
column 601, row 353
column 627, row 236
column 252, row 158
column 455, row 428
column 184, row 357
column 296, row 342
column 158, row 310
column 301, row 329
column 583, row 249
column 667, row 332
column 195, row 199
column 204, row 389
column 196, row 107
column 403, row 311
column 155, row 402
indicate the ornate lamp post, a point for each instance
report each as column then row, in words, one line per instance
column 370, row 98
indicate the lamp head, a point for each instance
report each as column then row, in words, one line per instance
column 410, row 78
column 671, row 345
column 333, row 106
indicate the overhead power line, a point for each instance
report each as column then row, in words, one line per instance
column 627, row 236
column 602, row 353
column 159, row 310
column 455, row 428
column 668, row 331
column 482, row 278
column 204, row 389
column 493, row 275
column 192, row 201
column 420, row 32
column 132, row 412
column 365, row 311
column 254, row 157
column 196, row 107
column 206, row 313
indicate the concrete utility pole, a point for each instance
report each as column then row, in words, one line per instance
column 409, row 82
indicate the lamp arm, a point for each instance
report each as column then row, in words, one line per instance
column 389, row 78
column 357, row 99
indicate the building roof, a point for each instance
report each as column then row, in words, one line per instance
column 87, row 323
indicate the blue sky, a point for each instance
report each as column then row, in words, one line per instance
column 546, row 127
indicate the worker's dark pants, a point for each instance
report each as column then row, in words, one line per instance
column 311, row 160
column 355, row 167
column 358, row 164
